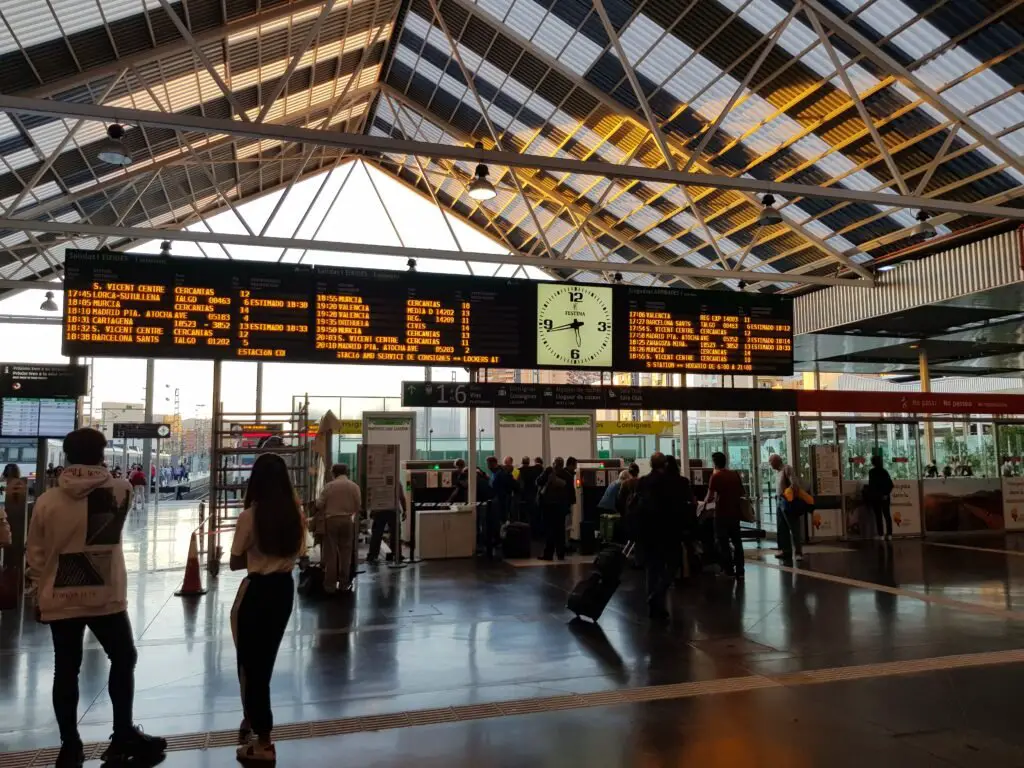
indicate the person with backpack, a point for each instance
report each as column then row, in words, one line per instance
column 76, row 564
column 878, row 493
column 557, row 494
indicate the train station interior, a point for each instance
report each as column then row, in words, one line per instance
column 449, row 245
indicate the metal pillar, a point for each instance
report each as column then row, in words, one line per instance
column 926, row 386
column 755, row 467
column 147, row 444
column 259, row 391
column 684, row 433
column 472, row 457
column 216, row 478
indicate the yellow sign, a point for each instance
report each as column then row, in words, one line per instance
column 351, row 427
column 634, row 427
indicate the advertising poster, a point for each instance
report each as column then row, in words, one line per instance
column 827, row 481
column 860, row 523
column 959, row 504
column 906, row 508
column 826, row 524
column 1013, row 503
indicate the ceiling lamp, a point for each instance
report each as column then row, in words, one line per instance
column 480, row 188
column 768, row 215
column 165, row 248
column 112, row 149
column 887, row 268
column 411, row 264
column 924, row 227
column 49, row 305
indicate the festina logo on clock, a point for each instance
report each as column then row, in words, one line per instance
column 574, row 325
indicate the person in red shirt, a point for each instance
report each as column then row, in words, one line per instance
column 726, row 490
column 137, row 478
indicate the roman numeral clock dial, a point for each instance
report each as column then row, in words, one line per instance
column 574, row 326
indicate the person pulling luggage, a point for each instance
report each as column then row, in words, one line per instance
column 659, row 532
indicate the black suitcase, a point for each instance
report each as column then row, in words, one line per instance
column 591, row 595
column 516, row 541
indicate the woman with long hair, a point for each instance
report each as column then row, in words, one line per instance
column 269, row 535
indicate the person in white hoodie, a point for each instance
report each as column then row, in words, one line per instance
column 76, row 564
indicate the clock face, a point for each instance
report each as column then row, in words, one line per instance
column 574, row 325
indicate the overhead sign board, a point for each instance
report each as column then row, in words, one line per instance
column 131, row 305
column 25, row 380
column 426, row 394
column 142, row 430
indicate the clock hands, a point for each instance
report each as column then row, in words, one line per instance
column 575, row 326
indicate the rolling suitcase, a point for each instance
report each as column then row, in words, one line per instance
column 591, row 595
column 516, row 541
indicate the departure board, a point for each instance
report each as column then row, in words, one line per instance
column 707, row 331
column 130, row 305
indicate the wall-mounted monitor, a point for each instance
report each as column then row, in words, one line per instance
column 37, row 416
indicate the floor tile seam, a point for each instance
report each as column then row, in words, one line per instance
column 939, row 600
column 561, row 702
column 948, row 545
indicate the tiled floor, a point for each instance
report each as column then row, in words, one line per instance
column 463, row 632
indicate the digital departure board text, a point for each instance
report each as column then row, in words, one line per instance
column 130, row 305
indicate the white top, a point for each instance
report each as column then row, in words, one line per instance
column 340, row 497
column 244, row 543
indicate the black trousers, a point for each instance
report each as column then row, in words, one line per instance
column 883, row 513
column 382, row 521
column 259, row 618
column 114, row 632
column 661, row 567
column 728, row 534
column 554, row 530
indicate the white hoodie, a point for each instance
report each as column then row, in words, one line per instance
column 74, row 545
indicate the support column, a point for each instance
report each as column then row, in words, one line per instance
column 684, row 433
column 259, row 391
column 926, row 386
column 471, row 457
column 755, row 467
column 147, row 444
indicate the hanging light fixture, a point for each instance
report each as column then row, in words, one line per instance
column 411, row 264
column 480, row 188
column 112, row 149
column 924, row 227
column 49, row 305
column 768, row 215
column 165, row 248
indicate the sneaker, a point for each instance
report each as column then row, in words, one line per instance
column 888, row 537
column 798, row 558
column 783, row 556
column 257, row 752
column 71, row 755
column 133, row 747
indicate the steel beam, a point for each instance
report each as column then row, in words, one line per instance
column 889, row 64
column 223, row 238
column 385, row 145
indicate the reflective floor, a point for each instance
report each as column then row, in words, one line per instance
column 450, row 634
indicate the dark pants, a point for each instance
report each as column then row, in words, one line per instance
column 883, row 512
column 114, row 632
column 728, row 533
column 789, row 532
column 490, row 517
column 661, row 568
column 263, row 606
column 554, row 531
column 381, row 521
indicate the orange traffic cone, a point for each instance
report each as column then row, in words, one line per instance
column 192, row 586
